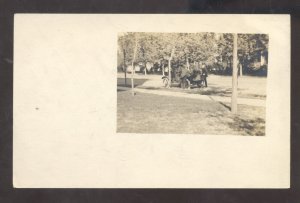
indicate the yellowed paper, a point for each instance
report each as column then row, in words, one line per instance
column 65, row 103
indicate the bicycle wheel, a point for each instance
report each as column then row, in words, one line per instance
column 166, row 82
column 188, row 84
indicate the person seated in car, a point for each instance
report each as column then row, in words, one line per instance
column 183, row 76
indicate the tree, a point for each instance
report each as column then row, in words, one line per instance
column 125, row 45
column 133, row 60
column 251, row 48
column 147, row 49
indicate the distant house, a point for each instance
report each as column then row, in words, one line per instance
column 258, row 60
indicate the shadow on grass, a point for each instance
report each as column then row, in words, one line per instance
column 224, row 92
column 151, row 88
column 216, row 91
column 137, row 82
column 255, row 96
column 251, row 126
column 226, row 106
column 254, row 127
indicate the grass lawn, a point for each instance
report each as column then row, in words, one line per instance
column 149, row 113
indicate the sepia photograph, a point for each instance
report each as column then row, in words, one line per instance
column 192, row 83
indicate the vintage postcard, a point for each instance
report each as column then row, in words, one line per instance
column 151, row 101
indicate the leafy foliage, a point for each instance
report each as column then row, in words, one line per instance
column 213, row 49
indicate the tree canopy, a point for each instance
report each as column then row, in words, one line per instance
column 209, row 48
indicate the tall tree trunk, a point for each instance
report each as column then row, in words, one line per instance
column 169, row 65
column 125, row 69
column 169, row 70
column 241, row 69
column 262, row 59
column 234, row 76
column 133, row 68
column 187, row 63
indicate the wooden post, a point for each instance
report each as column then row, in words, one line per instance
column 132, row 71
column 234, row 76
